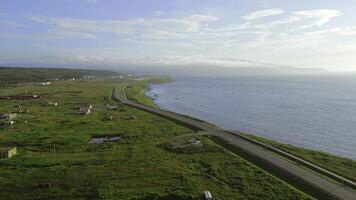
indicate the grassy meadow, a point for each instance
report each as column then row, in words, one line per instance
column 144, row 164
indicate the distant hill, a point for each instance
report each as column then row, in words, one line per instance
column 10, row 75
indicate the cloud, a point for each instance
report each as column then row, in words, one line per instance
column 291, row 23
column 193, row 33
column 323, row 16
column 263, row 13
column 138, row 27
column 149, row 61
column 215, row 41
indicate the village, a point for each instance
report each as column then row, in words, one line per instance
column 19, row 114
column 7, row 120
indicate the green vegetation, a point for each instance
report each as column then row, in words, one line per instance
column 10, row 75
column 342, row 166
column 135, row 90
column 54, row 160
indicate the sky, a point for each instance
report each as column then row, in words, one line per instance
column 303, row 34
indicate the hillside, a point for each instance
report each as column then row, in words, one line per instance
column 9, row 75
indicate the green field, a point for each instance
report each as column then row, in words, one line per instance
column 148, row 162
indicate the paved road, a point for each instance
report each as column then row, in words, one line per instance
column 287, row 169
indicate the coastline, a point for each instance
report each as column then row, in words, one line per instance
column 322, row 159
column 297, row 172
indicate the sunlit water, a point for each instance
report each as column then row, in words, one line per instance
column 316, row 112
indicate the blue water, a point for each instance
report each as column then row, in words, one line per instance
column 316, row 112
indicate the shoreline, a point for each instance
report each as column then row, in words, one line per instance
column 297, row 171
column 248, row 133
column 290, row 148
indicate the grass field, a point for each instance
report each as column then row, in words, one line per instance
column 52, row 148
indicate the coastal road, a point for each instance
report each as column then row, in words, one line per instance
column 293, row 170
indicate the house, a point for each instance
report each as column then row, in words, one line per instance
column 7, row 152
column 207, row 195
column 84, row 109
column 195, row 141
column 9, row 123
column 55, row 104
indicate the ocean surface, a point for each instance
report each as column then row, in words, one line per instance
column 316, row 112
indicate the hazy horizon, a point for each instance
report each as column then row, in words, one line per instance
column 272, row 36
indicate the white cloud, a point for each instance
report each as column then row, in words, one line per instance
column 195, row 60
column 263, row 13
column 323, row 16
column 201, row 18
column 176, row 38
column 145, row 29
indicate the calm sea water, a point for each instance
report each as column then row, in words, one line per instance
column 316, row 112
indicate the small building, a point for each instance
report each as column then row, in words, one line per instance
column 84, row 109
column 55, row 104
column 195, row 141
column 207, row 195
column 9, row 123
column 7, row 152
column 99, row 140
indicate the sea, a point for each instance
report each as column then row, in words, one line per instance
column 313, row 111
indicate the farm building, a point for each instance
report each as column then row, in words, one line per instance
column 84, row 109
column 7, row 152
